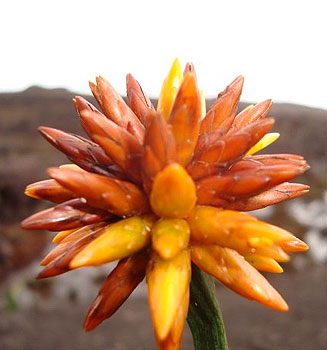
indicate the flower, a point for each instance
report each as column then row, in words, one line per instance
column 157, row 189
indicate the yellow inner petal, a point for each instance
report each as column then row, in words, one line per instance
column 169, row 89
column 267, row 140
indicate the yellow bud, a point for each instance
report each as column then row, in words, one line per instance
column 235, row 272
column 167, row 281
column 263, row 263
column 169, row 89
column 170, row 236
column 267, row 140
column 118, row 241
column 61, row 235
column 203, row 104
column 173, row 193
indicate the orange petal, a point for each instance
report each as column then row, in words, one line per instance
column 235, row 272
column 85, row 153
column 169, row 237
column 185, row 118
column 250, row 115
column 137, row 100
column 118, row 286
column 238, row 231
column 49, row 190
column 159, row 149
column 65, row 216
column 122, row 147
column 116, row 196
column 173, row 193
column 115, row 108
column 277, row 194
column 222, row 113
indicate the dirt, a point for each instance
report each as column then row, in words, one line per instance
column 52, row 324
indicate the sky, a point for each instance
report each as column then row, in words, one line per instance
column 279, row 46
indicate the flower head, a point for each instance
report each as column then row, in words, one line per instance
column 157, row 189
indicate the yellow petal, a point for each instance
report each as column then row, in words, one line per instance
column 61, row 235
column 173, row 193
column 170, row 236
column 173, row 340
column 263, row 263
column 235, row 272
column 167, row 281
column 203, row 104
column 267, row 140
column 169, row 89
column 118, row 241
column 70, row 166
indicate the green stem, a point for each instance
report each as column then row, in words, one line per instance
column 204, row 315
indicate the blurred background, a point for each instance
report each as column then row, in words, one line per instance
column 49, row 51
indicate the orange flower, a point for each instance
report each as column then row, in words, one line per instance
column 159, row 189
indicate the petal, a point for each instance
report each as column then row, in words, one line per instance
column 173, row 193
column 222, row 113
column 49, row 190
column 137, row 100
column 235, row 272
column 216, row 152
column 277, row 194
column 61, row 235
column 185, row 118
column 267, row 140
column 174, row 337
column 237, row 230
column 234, row 185
column 65, row 216
column 251, row 114
column 122, row 147
column 58, row 262
column 115, row 108
column 170, row 236
column 159, row 149
column 263, row 263
column 168, row 281
column 116, row 196
column 70, row 240
column 118, row 286
column 118, row 241
column 169, row 89
column 86, row 154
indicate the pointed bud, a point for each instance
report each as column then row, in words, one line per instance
column 173, row 193
column 118, row 241
column 222, row 113
column 263, row 263
column 49, row 190
column 185, row 118
column 167, row 281
column 236, row 273
column 170, row 236
column 118, row 286
column 138, row 101
column 169, row 89
column 116, row 196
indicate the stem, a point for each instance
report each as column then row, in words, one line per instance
column 204, row 315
